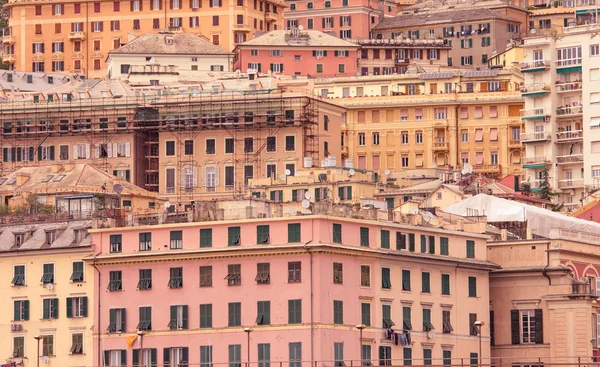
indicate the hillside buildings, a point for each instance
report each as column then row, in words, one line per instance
column 76, row 37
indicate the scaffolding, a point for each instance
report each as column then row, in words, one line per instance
column 247, row 117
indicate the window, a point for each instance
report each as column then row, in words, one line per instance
column 77, row 307
column 385, row 239
column 262, row 234
column 116, row 243
column 233, row 236
column 116, row 320
column 362, row 139
column 594, row 50
column 419, row 137
column 50, row 308
column 263, row 273
column 470, row 249
column 205, row 276
column 425, row 282
column 365, row 275
column 375, row 138
column 145, row 319
column 337, row 233
column 145, row 241
column 175, row 278
column 18, row 275
column 178, row 317
column 446, row 284
column 48, row 345
column 295, row 311
column 115, row 281
column 386, row 282
column 235, row 351
column 385, row 355
column 530, row 326
column 406, row 318
column 446, row 324
column 206, row 316
column 294, row 272
column 290, row 143
column 427, row 326
column 364, row 236
column 386, row 314
column 18, row 347
column 176, row 240
column 145, row 281
column 472, row 287
column 338, row 312
column 170, row 148
column 294, row 232
column 365, row 311
column 406, row 280
column 234, row 274
column 77, row 275
column 21, row 310
column 443, row 245
column 211, row 146
column 338, row 273
column 206, row 237
column 295, row 349
column 48, row 274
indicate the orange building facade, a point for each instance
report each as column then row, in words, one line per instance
column 75, row 37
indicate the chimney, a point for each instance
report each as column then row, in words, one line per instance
column 21, row 178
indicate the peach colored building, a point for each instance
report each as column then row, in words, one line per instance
column 75, row 37
column 298, row 285
column 306, row 52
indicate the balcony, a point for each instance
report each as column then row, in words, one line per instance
column 570, row 184
column 569, row 111
column 568, row 87
column 8, row 40
column 271, row 17
column 534, row 113
column 77, row 36
column 533, row 66
column 487, row 168
column 401, row 62
column 587, row 4
column 535, row 89
column 570, row 159
column 569, row 136
column 514, row 143
column 536, row 162
column 568, row 65
column 535, row 137
column 437, row 147
column 242, row 28
column 440, row 123
column 8, row 59
column 514, row 122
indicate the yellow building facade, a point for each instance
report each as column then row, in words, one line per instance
column 47, row 294
column 428, row 120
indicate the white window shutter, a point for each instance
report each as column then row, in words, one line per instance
column 87, row 151
column 75, row 155
column 97, row 151
column 115, row 150
column 127, row 149
column 109, row 150
column 203, row 176
column 195, row 172
column 216, row 176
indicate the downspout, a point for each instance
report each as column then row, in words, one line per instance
column 312, row 327
column 547, row 263
column 99, row 347
column 457, row 134
column 86, row 41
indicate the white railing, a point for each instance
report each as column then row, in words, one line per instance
column 571, row 158
column 533, row 112
column 575, row 134
column 569, row 110
column 568, row 62
column 565, row 87
column 564, row 184
column 535, row 64
column 540, row 135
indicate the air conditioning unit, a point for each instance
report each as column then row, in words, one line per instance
column 127, row 208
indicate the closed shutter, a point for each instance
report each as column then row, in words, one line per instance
column 185, row 356
column 69, row 307
column 423, row 244
column 135, row 357
column 492, row 331
column 539, row 327
column 411, row 242
column 166, row 357
column 123, row 357
column 432, row 244
column 385, row 239
column 25, row 310
column 514, row 327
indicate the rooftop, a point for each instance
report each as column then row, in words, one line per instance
column 169, row 44
column 444, row 17
column 30, row 82
column 68, row 234
column 305, row 38
column 91, row 88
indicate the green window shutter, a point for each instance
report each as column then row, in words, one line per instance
column 472, row 287
column 425, row 280
column 127, row 175
column 338, row 312
column 294, row 195
column 337, row 233
column 135, row 357
column 123, row 358
column 262, row 234
column 365, row 310
column 294, row 232
column 166, row 357
column 185, row 317
column 423, row 244
column 272, row 195
column 432, row 244
column 25, row 310
column 349, row 192
column 173, row 318
column 123, row 322
column 411, row 242
column 17, row 311
column 84, row 302
column 385, row 278
column 406, row 280
column 69, row 307
column 106, row 357
column 444, row 246
column 406, row 318
column 185, row 356
column 234, row 238
column 470, row 249
column 317, row 194
column 55, row 308
column 153, row 358
column 446, row 284
column 364, row 236
column 206, row 237
column 385, row 239
column 407, row 355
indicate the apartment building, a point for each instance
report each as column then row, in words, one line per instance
column 340, row 18
column 296, row 52
column 473, row 34
column 76, row 37
column 429, row 120
column 47, row 293
column 291, row 290
column 561, row 113
column 550, row 15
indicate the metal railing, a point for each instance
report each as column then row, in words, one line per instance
column 535, row 136
column 534, row 112
column 573, row 134
column 568, row 62
column 564, row 87
column 534, row 87
column 533, row 160
column 536, row 64
column 571, row 158
column 569, row 110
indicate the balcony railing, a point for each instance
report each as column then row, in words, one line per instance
column 440, row 146
column 512, row 143
column 535, row 88
column 536, row 64
column 566, row 87
column 7, row 59
column 567, row 184
column 569, row 135
column 7, row 40
column 534, row 112
column 569, row 110
column 525, row 137
column 568, row 62
column 539, row 159
column 579, row 288
column 584, row 3
column 571, row 158
column 487, row 167
column 76, row 35
column 271, row 17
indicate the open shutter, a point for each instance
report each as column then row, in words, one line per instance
column 127, row 149
column 84, row 301
column 123, row 323
column 106, row 357
column 25, row 310
column 123, row 358
column 128, row 175
column 87, row 151
column 55, row 308
column 185, row 319
column 492, row 329
column 166, row 357
column 51, row 152
column 153, row 357
column 116, row 149
column 539, row 327
column 514, row 327
column 185, row 356
column 195, row 176
column 69, row 307
column 40, row 153
column 135, row 357
column 173, row 318
column 217, row 176
column 75, row 156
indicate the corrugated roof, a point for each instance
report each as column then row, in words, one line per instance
column 306, row 38
column 170, row 44
column 443, row 75
column 480, row 73
column 456, row 16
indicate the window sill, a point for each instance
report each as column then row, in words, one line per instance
column 512, row 346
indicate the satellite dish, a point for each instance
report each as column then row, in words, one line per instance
column 305, row 204
column 352, row 172
column 49, row 286
column 167, row 205
column 288, row 172
column 533, row 31
column 468, row 168
column 431, row 334
column 118, row 188
column 282, row 177
column 45, row 359
column 415, row 211
column 307, row 195
column 300, row 28
column 387, row 172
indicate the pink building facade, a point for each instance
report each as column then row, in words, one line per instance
column 290, row 290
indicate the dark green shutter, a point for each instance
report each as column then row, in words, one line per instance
column 106, row 357
column 25, row 310
column 317, row 194
column 123, row 357
column 55, row 308
column 539, row 327
column 432, row 244
column 385, row 239
column 127, row 175
column 173, row 319
column 69, row 307
column 39, row 153
column 472, row 287
column 153, row 359
column 364, row 236
column 185, row 317
column 341, row 193
column 166, row 357
column 406, row 280
column 294, row 195
column 492, row 329
column 123, row 311
column 185, row 356
column 444, row 246
column 423, row 244
column 17, row 310
column 365, row 309
column 514, row 327
column 135, row 357
column 470, row 249
column 411, row 242
column 445, row 284
column 31, row 154
column 425, row 280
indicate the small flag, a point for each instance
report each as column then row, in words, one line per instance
column 130, row 340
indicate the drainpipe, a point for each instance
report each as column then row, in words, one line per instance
column 547, row 263
column 457, row 133
column 99, row 347
column 312, row 327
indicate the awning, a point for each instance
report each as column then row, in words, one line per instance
column 535, row 165
column 587, row 11
column 420, row 83
column 570, row 69
column 83, row 196
column 536, row 94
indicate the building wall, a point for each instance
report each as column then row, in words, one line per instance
column 508, row 58
column 61, row 328
column 442, row 198
column 182, row 63
column 23, row 23
column 298, row 60
column 395, row 59
column 317, row 276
